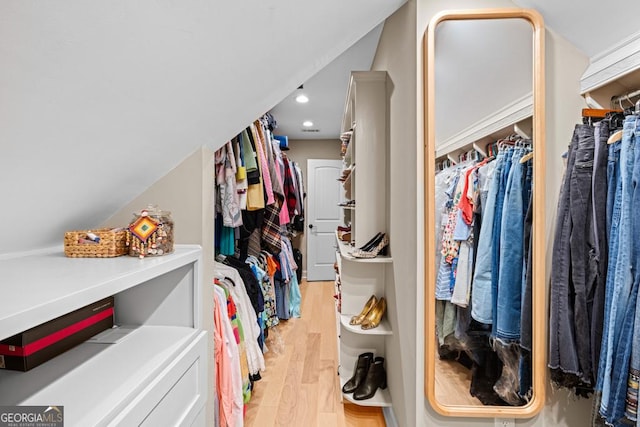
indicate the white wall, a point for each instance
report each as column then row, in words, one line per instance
column 396, row 54
column 99, row 99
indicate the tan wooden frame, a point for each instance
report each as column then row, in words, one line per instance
column 539, row 323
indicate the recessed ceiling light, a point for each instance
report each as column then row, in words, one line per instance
column 302, row 98
column 307, row 123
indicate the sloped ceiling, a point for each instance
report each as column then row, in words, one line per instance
column 326, row 92
column 592, row 26
column 100, row 99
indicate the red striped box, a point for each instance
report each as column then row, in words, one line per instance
column 35, row 346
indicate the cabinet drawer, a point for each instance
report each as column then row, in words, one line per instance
column 177, row 394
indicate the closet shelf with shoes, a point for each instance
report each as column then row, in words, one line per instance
column 381, row 399
column 366, row 385
column 346, row 253
column 366, row 318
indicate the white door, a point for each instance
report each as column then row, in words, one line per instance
column 322, row 217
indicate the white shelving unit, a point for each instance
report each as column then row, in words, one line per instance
column 155, row 375
column 366, row 115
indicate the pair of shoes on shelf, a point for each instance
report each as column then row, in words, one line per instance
column 372, row 243
column 344, row 233
column 345, row 174
column 377, row 245
column 368, row 376
column 348, row 203
column 371, row 314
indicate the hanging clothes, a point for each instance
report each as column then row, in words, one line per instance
column 247, row 316
column 227, row 364
column 482, row 206
column 258, row 191
column 227, row 202
column 595, row 312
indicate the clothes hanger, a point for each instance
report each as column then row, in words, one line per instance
column 526, row 157
column 616, row 136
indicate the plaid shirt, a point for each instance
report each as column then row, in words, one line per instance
column 290, row 190
column 271, row 238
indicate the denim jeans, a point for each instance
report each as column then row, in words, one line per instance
column 631, row 410
column 563, row 358
column 614, row 195
column 631, row 407
column 583, row 265
column 526, row 319
column 621, row 279
column 509, row 296
column 617, row 401
column 497, row 232
column 599, row 193
column 481, row 286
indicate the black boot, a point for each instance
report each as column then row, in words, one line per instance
column 359, row 373
column 376, row 377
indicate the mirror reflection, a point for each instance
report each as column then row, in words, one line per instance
column 483, row 211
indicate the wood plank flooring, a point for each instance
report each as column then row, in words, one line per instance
column 300, row 386
column 452, row 383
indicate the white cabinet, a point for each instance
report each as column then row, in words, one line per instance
column 155, row 375
column 366, row 117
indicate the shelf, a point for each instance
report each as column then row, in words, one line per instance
column 95, row 382
column 41, row 286
column 382, row 398
column 384, row 328
column 351, row 208
column 345, row 248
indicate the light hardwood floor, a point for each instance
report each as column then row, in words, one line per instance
column 452, row 383
column 300, row 386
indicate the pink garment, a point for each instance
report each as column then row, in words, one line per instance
column 284, row 211
column 262, row 158
column 224, row 383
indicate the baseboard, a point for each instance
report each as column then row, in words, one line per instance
column 389, row 417
column 304, row 274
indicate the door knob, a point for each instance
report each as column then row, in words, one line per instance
column 310, row 225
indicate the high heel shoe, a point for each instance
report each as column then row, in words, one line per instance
column 372, row 243
column 374, row 316
column 376, row 378
column 380, row 248
column 359, row 373
column 357, row 320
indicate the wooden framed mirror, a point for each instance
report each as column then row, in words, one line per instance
column 488, row 362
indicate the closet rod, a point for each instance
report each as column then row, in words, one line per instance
column 617, row 99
